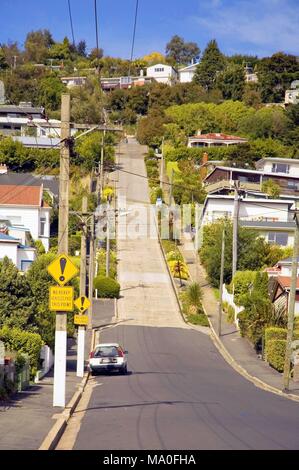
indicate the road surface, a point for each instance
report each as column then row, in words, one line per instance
column 180, row 393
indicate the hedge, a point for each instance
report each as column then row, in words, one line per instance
column 107, row 287
column 25, row 342
column 274, row 333
column 275, row 353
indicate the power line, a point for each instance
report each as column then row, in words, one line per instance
column 71, row 21
column 97, row 31
column 134, row 35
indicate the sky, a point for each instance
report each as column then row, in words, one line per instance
column 257, row 27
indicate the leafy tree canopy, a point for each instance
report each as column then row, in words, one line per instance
column 181, row 52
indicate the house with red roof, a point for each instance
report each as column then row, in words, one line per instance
column 214, row 140
column 279, row 293
column 23, row 210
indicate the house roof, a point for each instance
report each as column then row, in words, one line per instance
column 49, row 182
column 285, row 282
column 274, row 225
column 252, row 172
column 189, row 67
column 253, row 200
column 8, row 238
column 218, row 136
column 21, row 109
column 278, row 160
column 20, row 195
column 286, row 261
column 38, row 142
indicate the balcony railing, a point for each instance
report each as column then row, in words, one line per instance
column 227, row 184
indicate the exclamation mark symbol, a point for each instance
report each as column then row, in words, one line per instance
column 62, row 268
column 82, row 304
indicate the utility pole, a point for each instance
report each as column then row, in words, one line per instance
column 91, row 270
column 171, row 187
column 235, row 229
column 162, row 166
column 15, row 61
column 291, row 309
column 81, row 329
column 61, row 317
column 221, row 282
column 102, row 163
column 108, row 241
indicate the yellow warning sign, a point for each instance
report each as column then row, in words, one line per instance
column 81, row 320
column 82, row 303
column 62, row 269
column 61, row 299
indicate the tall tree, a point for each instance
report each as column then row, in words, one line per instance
column 37, row 45
column 181, row 52
column 275, row 75
column 231, row 82
column 212, row 63
column 81, row 48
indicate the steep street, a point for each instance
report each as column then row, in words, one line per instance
column 180, row 393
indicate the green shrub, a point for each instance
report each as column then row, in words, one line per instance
column 174, row 255
column 242, row 282
column 230, row 314
column 198, row 319
column 25, row 342
column 273, row 333
column 107, row 287
column 275, row 353
column 169, row 245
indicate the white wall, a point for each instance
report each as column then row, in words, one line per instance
column 24, row 254
column 294, row 167
column 28, row 218
column 186, row 76
column 9, row 250
column 247, row 210
column 167, row 75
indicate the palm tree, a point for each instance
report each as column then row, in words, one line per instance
column 193, row 294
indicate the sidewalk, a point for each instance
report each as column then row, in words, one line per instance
column 240, row 350
column 27, row 418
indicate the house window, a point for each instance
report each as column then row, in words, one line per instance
column 293, row 185
column 278, row 238
column 280, row 168
column 25, row 265
column 42, row 226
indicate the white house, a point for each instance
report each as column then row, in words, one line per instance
column 292, row 95
column 22, row 207
column 214, row 139
column 71, row 82
column 283, row 166
column 22, row 256
column 186, row 74
column 271, row 218
column 162, row 73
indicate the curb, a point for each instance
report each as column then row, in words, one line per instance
column 237, row 367
column 53, row 437
column 255, row 380
column 57, row 430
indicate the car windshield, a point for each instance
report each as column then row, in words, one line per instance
column 106, row 351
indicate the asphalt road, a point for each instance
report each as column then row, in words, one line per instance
column 180, row 393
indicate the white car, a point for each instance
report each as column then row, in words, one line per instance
column 108, row 357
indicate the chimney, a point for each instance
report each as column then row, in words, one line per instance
column 198, row 132
column 203, row 169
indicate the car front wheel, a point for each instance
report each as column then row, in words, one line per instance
column 123, row 370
